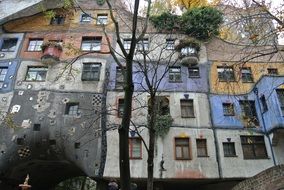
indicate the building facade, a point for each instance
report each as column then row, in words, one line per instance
column 62, row 102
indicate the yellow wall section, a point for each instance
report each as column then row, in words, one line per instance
column 39, row 23
column 237, row 86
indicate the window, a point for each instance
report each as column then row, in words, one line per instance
column 102, row 19
column 120, row 107
column 3, row 72
column 272, row 71
column 72, row 109
column 187, row 109
column 246, row 75
column 193, row 72
column 249, row 113
column 253, row 147
column 91, row 43
column 36, row 74
column 228, row 109
column 229, row 149
column 170, row 44
column 225, row 73
column 182, row 151
column 174, row 74
column 280, row 94
column 9, row 44
column 201, row 146
column 91, row 71
column 135, row 148
column 57, row 20
column 119, row 79
column 188, row 51
column 263, row 103
column 126, row 43
column 162, row 105
column 85, row 18
column 35, row 44
column 143, row 45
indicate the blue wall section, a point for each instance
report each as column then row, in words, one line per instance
column 187, row 84
column 9, row 81
column 266, row 86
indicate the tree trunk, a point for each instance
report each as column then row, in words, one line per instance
column 124, row 129
column 152, row 135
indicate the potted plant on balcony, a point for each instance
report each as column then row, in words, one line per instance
column 189, row 49
column 51, row 52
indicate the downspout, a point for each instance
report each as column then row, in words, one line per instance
column 255, row 90
column 217, row 148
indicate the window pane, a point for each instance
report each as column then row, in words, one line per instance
column 201, row 147
column 36, row 73
column 187, row 109
column 9, row 44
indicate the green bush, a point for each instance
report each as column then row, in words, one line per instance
column 201, row 23
column 165, row 22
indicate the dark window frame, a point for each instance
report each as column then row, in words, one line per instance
column 201, row 147
column 185, row 106
column 228, row 109
column 251, row 146
column 175, row 76
column 57, row 20
column 102, row 19
column 226, row 74
column 11, row 44
column 170, row 44
column 280, row 96
column 72, row 109
column 91, row 71
column 143, row 45
column 229, row 149
column 37, row 74
column 272, row 71
column 193, row 72
column 85, row 18
column 120, row 107
column 91, row 43
column 184, row 146
column 36, row 47
column 246, row 75
column 248, row 111
column 131, row 142
column 3, row 73
column 119, row 80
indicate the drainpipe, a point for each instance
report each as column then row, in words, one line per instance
column 255, row 90
column 217, row 148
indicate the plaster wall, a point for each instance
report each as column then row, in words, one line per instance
column 157, row 49
column 10, row 54
column 187, row 83
column 233, row 167
column 195, row 168
column 140, row 102
column 61, row 77
column 238, row 86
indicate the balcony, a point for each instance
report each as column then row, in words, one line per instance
column 188, row 52
column 51, row 52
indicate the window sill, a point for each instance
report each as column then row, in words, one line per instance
column 140, row 158
column 194, row 77
column 33, row 51
column 8, row 51
column 263, row 158
column 247, row 81
column 227, row 80
column 34, row 81
column 179, row 159
column 175, row 81
column 203, row 156
column 188, row 117
column 231, row 156
column 229, row 115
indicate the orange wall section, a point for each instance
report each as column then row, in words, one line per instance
column 72, row 40
column 238, row 86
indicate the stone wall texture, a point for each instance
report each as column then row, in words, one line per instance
column 270, row 179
